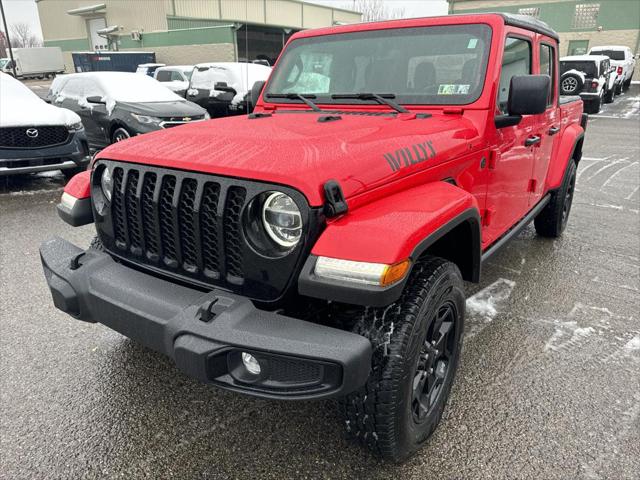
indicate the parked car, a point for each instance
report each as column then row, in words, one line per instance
column 622, row 59
column 175, row 78
column 223, row 88
column 114, row 106
column 317, row 248
column 148, row 68
column 36, row 137
column 589, row 76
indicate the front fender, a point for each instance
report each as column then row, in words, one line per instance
column 75, row 205
column 570, row 147
column 389, row 231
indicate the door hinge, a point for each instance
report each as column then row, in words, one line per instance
column 493, row 159
column 533, row 183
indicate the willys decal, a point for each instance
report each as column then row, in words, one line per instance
column 407, row 156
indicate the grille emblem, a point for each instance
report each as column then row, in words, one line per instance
column 32, row 132
column 186, row 119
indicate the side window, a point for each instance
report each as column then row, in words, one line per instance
column 163, row 76
column 176, row 76
column 516, row 60
column 547, row 66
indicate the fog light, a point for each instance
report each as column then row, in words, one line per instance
column 251, row 363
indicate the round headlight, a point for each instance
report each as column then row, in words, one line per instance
column 106, row 183
column 282, row 220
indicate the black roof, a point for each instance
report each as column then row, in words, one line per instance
column 529, row 23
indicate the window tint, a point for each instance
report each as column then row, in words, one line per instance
column 515, row 61
column 164, row 76
column 547, row 63
column 427, row 65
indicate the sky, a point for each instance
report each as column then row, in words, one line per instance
column 26, row 10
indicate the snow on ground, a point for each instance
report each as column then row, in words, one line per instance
column 485, row 304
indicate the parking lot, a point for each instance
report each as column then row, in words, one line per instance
column 548, row 387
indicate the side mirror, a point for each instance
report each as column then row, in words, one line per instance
column 528, row 95
column 254, row 95
column 96, row 99
column 223, row 87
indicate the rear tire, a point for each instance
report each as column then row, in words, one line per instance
column 416, row 346
column 594, row 106
column 610, row 95
column 553, row 219
column 96, row 244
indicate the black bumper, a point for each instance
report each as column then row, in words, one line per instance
column 72, row 154
column 205, row 332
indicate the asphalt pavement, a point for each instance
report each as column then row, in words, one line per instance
column 548, row 386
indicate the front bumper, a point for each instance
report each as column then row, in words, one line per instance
column 589, row 95
column 72, row 154
column 204, row 332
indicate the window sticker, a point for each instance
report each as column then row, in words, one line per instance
column 472, row 43
column 453, row 89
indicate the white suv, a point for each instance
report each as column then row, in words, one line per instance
column 590, row 76
column 623, row 59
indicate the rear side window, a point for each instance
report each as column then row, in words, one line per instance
column 612, row 54
column 515, row 61
column 547, row 62
column 164, row 76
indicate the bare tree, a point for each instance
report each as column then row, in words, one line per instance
column 23, row 37
column 3, row 44
column 376, row 10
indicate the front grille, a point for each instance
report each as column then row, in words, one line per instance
column 33, row 137
column 190, row 225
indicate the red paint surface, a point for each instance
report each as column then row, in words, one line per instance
column 79, row 186
column 389, row 211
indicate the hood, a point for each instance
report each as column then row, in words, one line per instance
column 296, row 149
column 164, row 109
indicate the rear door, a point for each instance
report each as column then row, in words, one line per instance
column 512, row 160
column 549, row 123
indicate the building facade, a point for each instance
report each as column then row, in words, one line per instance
column 182, row 31
column 581, row 24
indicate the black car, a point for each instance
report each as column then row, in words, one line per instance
column 36, row 137
column 222, row 88
column 114, row 106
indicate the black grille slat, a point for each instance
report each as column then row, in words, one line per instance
column 149, row 225
column 119, row 221
column 167, row 229
column 232, row 233
column 186, row 224
column 209, row 229
column 18, row 137
column 134, row 220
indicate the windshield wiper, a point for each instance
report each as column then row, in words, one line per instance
column 382, row 98
column 297, row 96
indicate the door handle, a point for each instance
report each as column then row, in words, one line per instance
column 553, row 130
column 532, row 141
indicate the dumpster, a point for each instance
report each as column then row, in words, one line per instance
column 110, row 61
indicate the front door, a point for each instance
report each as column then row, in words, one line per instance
column 511, row 164
column 549, row 125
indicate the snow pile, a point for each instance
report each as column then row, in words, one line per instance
column 239, row 76
column 20, row 107
column 633, row 344
column 567, row 335
column 483, row 304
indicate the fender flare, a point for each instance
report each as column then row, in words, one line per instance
column 570, row 148
column 75, row 205
column 392, row 229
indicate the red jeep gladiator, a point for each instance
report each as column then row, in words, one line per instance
column 317, row 248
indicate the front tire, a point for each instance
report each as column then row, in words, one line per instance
column 416, row 344
column 120, row 134
column 553, row 219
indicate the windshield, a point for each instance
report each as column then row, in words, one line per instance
column 3, row 62
column 426, row 65
column 188, row 73
column 588, row 68
column 612, row 54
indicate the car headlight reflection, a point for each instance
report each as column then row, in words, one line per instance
column 282, row 220
column 106, row 183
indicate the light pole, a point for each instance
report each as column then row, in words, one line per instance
column 6, row 34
